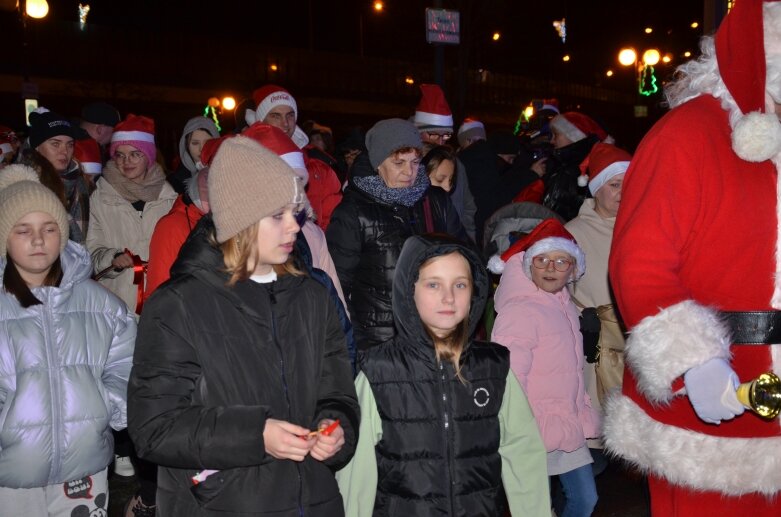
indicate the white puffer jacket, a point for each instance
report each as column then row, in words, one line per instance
column 64, row 367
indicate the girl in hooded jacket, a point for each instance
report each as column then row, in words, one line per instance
column 241, row 387
column 539, row 323
column 445, row 427
column 66, row 345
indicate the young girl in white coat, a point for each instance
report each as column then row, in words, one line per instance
column 66, row 346
column 539, row 323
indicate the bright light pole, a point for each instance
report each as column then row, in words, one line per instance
column 646, row 80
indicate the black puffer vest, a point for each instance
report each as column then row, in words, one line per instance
column 440, row 436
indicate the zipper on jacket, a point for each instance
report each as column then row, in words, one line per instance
column 448, row 438
column 273, row 299
column 54, row 383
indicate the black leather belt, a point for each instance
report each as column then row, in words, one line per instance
column 753, row 327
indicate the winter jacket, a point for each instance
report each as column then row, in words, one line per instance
column 213, row 363
column 324, row 190
column 64, row 366
column 365, row 239
column 542, row 331
column 116, row 225
column 491, row 186
column 562, row 193
column 594, row 234
column 170, row 233
column 436, row 445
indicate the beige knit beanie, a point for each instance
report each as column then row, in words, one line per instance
column 247, row 182
column 20, row 194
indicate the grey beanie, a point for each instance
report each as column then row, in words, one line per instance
column 391, row 135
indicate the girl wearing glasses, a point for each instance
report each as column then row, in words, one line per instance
column 130, row 197
column 539, row 323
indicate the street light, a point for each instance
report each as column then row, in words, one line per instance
column 646, row 80
column 37, row 8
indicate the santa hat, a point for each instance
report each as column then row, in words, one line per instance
column 549, row 235
column 87, row 153
column 744, row 54
column 267, row 98
column 550, row 105
column 138, row 131
column 276, row 140
column 210, row 148
column 470, row 128
column 433, row 111
column 577, row 126
column 603, row 162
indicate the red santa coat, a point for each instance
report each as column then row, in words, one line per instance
column 697, row 233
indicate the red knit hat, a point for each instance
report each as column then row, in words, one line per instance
column 210, row 148
column 433, row 111
column 87, row 153
column 741, row 56
column 549, row 235
column 577, row 126
column 603, row 162
column 138, row 131
column 267, row 98
column 276, row 140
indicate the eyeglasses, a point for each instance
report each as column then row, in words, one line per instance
column 442, row 137
column 560, row 264
column 133, row 157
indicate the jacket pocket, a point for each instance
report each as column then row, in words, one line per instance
column 208, row 490
column 7, row 397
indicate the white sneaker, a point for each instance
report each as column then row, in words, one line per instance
column 123, row 466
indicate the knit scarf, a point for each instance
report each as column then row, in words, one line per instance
column 132, row 192
column 375, row 186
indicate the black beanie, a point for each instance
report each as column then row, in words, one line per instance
column 44, row 126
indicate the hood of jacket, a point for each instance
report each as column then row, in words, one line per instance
column 191, row 125
column 516, row 286
column 76, row 267
column 417, row 249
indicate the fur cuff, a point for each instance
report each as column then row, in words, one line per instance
column 733, row 466
column 756, row 136
column 663, row 347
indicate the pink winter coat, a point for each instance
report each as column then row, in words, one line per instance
column 542, row 332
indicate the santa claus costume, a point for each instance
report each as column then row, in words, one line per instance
column 698, row 234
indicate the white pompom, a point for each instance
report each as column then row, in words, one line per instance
column 17, row 172
column 582, row 180
column 496, row 265
column 757, row 136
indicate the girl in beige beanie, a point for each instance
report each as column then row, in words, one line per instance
column 66, row 348
column 242, row 387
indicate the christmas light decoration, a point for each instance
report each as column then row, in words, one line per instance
column 561, row 29
column 210, row 111
column 83, row 12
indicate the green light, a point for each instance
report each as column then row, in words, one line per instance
column 647, row 83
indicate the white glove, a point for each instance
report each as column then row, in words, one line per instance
column 711, row 389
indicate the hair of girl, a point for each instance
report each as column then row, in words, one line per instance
column 14, row 284
column 240, row 256
column 435, row 157
column 450, row 347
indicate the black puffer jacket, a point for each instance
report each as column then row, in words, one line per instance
column 439, row 454
column 212, row 363
column 562, row 193
column 365, row 237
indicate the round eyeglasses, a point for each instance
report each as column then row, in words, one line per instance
column 560, row 264
column 132, row 157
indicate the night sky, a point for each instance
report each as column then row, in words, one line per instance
column 529, row 44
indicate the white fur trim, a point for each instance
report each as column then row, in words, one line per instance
column 472, row 124
column 91, row 167
column 5, row 148
column 132, row 136
column 663, row 347
column 250, row 116
column 614, row 169
column 272, row 100
column 423, row 118
column 555, row 244
column 756, row 137
column 732, row 466
column 567, row 128
column 295, row 159
column 496, row 265
column 299, row 138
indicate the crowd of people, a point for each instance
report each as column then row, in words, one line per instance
column 421, row 320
